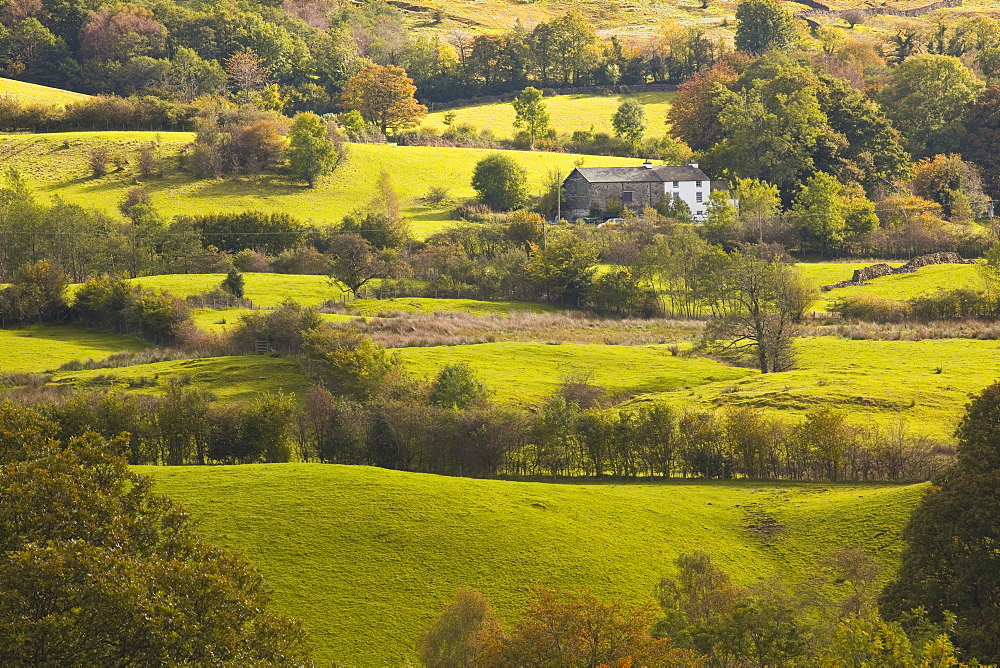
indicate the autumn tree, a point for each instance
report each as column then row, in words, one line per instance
column 383, row 95
column 693, row 114
column 560, row 628
column 530, row 114
column 122, row 33
column 954, row 184
column 247, row 71
column 456, row 386
column 564, row 268
column 350, row 365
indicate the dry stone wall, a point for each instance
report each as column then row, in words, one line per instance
column 863, row 276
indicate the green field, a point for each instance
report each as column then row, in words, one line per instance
column 567, row 113
column 263, row 289
column 44, row 348
column 236, row 378
column 367, row 557
column 30, row 93
column 924, row 383
column 530, row 371
column 898, row 286
column 56, row 165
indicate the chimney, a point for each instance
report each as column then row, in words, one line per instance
column 694, row 164
column 647, row 164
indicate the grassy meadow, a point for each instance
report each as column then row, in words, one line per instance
column 527, row 372
column 44, row 348
column 925, row 384
column 567, row 113
column 56, row 165
column 367, row 557
column 29, row 93
column 234, row 378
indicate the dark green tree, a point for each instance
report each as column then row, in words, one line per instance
column 96, row 569
column 950, row 562
column 762, row 26
column 501, row 182
column 929, row 98
column 233, row 283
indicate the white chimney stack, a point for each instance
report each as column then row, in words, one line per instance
column 647, row 164
column 694, row 164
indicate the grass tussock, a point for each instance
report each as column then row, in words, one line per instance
column 406, row 330
column 982, row 330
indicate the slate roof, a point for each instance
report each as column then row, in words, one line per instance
column 642, row 174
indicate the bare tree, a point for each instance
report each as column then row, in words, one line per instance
column 759, row 303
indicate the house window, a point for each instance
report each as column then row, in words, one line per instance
column 697, row 197
column 677, row 184
column 700, row 213
column 627, row 196
column 697, row 184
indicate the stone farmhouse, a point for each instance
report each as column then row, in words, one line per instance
column 590, row 188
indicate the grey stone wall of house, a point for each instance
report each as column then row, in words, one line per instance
column 577, row 191
column 644, row 193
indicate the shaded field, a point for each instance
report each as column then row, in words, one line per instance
column 44, row 348
column 56, row 164
column 567, row 113
column 367, row 557
column 527, row 372
column 30, row 93
column 233, row 378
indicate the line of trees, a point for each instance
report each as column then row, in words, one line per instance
column 368, row 411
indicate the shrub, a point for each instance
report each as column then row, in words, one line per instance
column 501, row 182
column 871, row 308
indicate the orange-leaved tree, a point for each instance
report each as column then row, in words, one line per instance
column 383, row 95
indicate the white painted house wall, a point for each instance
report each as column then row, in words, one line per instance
column 690, row 191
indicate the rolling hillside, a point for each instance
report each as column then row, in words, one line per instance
column 56, row 164
column 30, row 93
column 367, row 557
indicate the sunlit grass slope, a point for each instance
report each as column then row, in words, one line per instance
column 264, row 289
column 527, row 372
column 235, row 378
column 923, row 383
column 567, row 113
column 61, row 169
column 44, row 348
column 29, row 93
column 367, row 557
column 898, row 286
